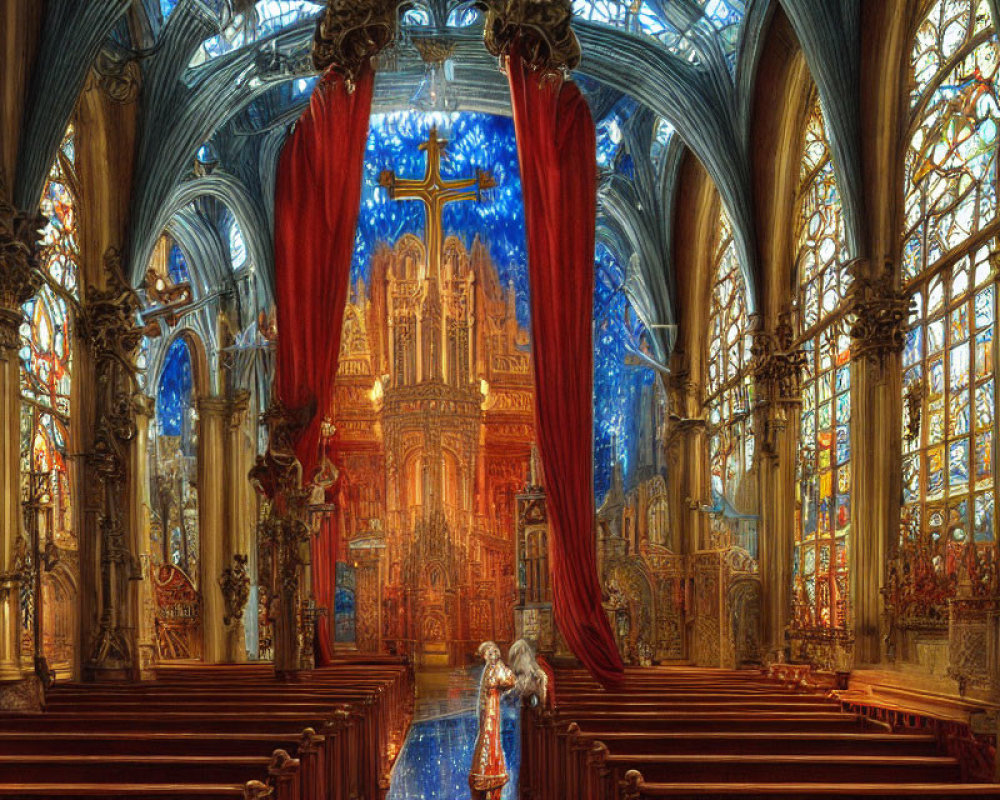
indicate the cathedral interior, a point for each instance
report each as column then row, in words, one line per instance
column 348, row 345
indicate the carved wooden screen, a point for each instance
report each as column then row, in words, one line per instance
column 729, row 394
column 46, row 365
column 947, row 529
column 823, row 486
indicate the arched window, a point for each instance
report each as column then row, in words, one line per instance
column 823, row 486
column 175, row 468
column 729, row 394
column 948, row 524
column 46, row 366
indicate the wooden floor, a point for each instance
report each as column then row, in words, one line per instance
column 694, row 733
column 214, row 732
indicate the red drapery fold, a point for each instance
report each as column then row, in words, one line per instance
column 317, row 200
column 557, row 146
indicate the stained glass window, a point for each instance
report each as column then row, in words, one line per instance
column 177, row 265
column 393, row 143
column 167, row 7
column 948, row 433
column 463, row 16
column 46, row 365
column 949, row 395
column 623, row 391
column 950, row 189
column 175, row 464
column 823, row 488
column 729, row 399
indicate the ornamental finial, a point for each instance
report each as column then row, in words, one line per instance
column 351, row 32
column 541, row 27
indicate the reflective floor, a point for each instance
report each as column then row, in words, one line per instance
column 435, row 759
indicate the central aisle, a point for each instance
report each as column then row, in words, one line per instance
column 434, row 762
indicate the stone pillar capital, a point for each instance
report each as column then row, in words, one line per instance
column 877, row 314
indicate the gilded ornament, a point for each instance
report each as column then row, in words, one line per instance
column 235, row 585
column 20, row 280
column 877, row 314
column 351, row 33
column 542, row 29
column 776, row 365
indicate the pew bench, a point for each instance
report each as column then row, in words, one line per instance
column 635, row 787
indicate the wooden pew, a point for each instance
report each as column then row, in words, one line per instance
column 201, row 715
column 637, row 788
column 254, row 790
column 712, row 733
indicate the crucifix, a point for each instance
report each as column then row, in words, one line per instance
column 435, row 193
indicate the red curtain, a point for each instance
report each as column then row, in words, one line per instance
column 557, row 148
column 317, row 200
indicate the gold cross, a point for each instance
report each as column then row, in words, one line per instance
column 435, row 193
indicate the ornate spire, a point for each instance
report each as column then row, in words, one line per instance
column 541, row 27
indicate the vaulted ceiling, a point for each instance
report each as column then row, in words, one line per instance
column 233, row 75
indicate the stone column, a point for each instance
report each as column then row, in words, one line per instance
column 776, row 532
column 11, row 535
column 139, row 518
column 18, row 284
column 107, row 324
column 213, row 479
column 237, row 541
column 878, row 317
column 776, row 367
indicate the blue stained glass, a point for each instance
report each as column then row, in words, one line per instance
column 983, row 523
column 936, row 375
column 620, row 390
column 958, row 463
column 914, row 346
column 843, row 444
column 984, row 307
column 344, row 604
column 463, row 17
column 984, row 405
column 844, row 378
column 609, row 141
column 167, row 7
column 173, row 398
column 476, row 141
column 959, row 412
column 177, row 266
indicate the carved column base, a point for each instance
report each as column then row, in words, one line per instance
column 10, row 626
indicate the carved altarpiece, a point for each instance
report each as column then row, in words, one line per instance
column 434, row 416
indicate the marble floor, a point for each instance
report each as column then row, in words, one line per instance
column 434, row 762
